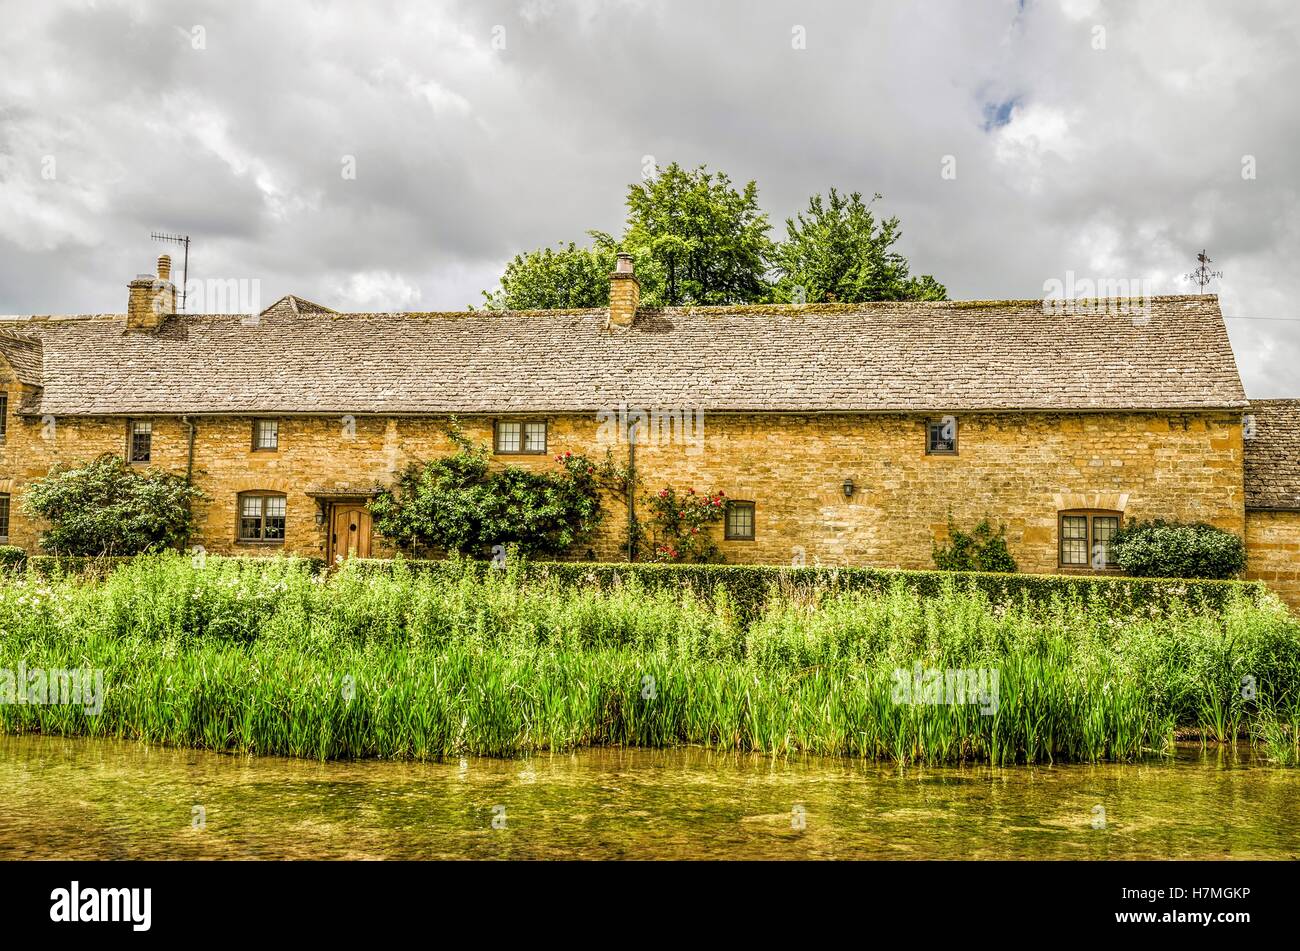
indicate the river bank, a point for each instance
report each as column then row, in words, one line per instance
column 275, row 660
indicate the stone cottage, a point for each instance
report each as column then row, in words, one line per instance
column 841, row 434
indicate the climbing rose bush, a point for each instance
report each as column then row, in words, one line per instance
column 681, row 523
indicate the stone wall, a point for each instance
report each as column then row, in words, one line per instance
column 1273, row 552
column 1019, row 469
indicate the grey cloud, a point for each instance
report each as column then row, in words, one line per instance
column 1113, row 163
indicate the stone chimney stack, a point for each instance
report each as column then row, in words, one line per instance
column 152, row 298
column 624, row 293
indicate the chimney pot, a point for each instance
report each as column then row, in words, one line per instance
column 164, row 267
column 624, row 292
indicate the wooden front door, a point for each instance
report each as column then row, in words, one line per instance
column 349, row 532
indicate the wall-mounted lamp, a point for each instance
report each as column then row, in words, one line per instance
column 320, row 516
column 848, row 488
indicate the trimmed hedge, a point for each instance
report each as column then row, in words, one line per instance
column 50, row 566
column 12, row 558
column 748, row 587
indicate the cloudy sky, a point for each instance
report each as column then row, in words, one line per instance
column 394, row 155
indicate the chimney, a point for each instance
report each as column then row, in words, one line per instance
column 152, row 298
column 624, row 293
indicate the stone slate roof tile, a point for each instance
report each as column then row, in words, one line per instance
column 1273, row 456
column 23, row 353
column 880, row 357
column 289, row 304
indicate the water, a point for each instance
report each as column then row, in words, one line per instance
column 104, row 799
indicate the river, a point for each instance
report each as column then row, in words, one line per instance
column 107, row 799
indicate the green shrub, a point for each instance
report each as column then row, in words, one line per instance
column 1176, row 550
column 458, row 504
column 681, row 523
column 12, row 558
column 977, row 550
column 107, row 507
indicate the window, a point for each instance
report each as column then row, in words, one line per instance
column 1086, row 537
column 266, row 434
column 520, row 437
column 261, row 518
column 740, row 522
column 4, row 518
column 4, row 417
column 941, row 437
column 140, row 440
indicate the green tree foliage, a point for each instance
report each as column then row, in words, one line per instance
column 695, row 238
column 107, row 507
column 459, row 504
column 566, row 277
column 1160, row 549
column 838, row 251
column 981, row 549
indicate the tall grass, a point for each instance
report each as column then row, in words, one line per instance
column 264, row 657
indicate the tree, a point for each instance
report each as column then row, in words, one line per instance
column 695, row 239
column 107, row 507
column 838, row 251
column 566, row 277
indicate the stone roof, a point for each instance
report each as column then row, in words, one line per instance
column 289, row 304
column 879, row 357
column 1273, row 456
column 23, row 354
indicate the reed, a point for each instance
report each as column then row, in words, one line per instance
column 265, row 657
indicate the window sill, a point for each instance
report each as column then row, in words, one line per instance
column 260, row 543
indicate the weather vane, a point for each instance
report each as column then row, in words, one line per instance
column 1203, row 275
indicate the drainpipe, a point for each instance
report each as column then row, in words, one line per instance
column 189, row 465
column 631, row 490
